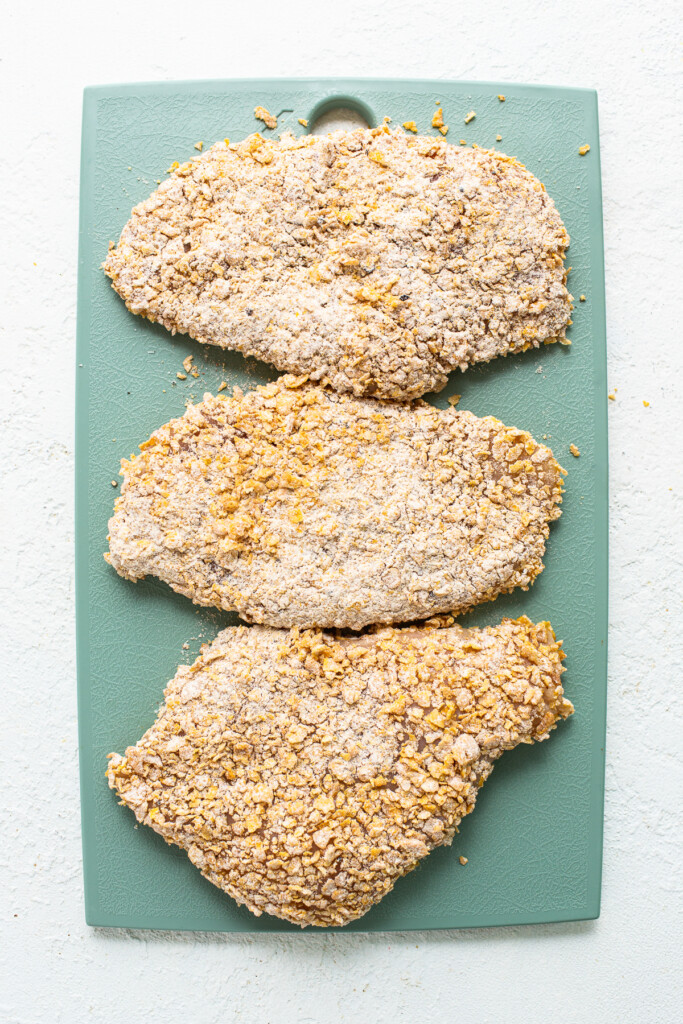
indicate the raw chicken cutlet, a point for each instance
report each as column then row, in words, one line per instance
column 296, row 506
column 367, row 259
column 304, row 773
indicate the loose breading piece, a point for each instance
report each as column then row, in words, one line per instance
column 375, row 259
column 305, row 773
column 297, row 506
column 261, row 114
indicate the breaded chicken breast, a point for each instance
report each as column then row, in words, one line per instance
column 369, row 259
column 296, row 506
column 304, row 773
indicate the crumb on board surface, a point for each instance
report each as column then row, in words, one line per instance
column 470, row 117
column 646, row 404
column 437, row 119
column 582, row 298
column 463, row 860
column 303, row 121
column 410, row 126
column 304, row 773
column 261, row 114
column 584, row 149
column 574, row 450
column 501, row 97
column 612, row 396
column 499, row 138
column 199, row 146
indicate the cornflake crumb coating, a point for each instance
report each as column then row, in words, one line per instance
column 304, row 773
column 296, row 506
column 375, row 259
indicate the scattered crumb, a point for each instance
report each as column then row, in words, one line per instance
column 584, row 149
column 612, row 397
column 303, row 121
column 187, row 364
column 261, row 114
column 501, row 97
column 539, row 368
column 199, row 146
column 463, row 142
column 130, row 168
column 223, row 385
column 158, row 181
column 410, row 126
column 646, row 404
column 574, row 450
column 444, row 129
column 470, row 117
column 454, row 399
column 582, row 298
column 114, row 483
column 386, row 119
column 174, row 167
column 499, row 138
column 226, row 141
column 181, row 376
column 186, row 647
column 437, row 120
column 463, row 860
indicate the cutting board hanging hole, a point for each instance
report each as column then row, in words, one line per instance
column 339, row 112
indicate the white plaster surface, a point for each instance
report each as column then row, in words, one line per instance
column 623, row 967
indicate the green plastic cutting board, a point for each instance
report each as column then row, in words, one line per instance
column 534, row 842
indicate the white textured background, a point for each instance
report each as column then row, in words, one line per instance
column 621, row 968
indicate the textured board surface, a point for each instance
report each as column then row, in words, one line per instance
column 534, row 842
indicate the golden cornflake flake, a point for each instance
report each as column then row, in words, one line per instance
column 261, row 114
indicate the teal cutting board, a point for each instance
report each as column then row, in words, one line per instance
column 534, row 842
